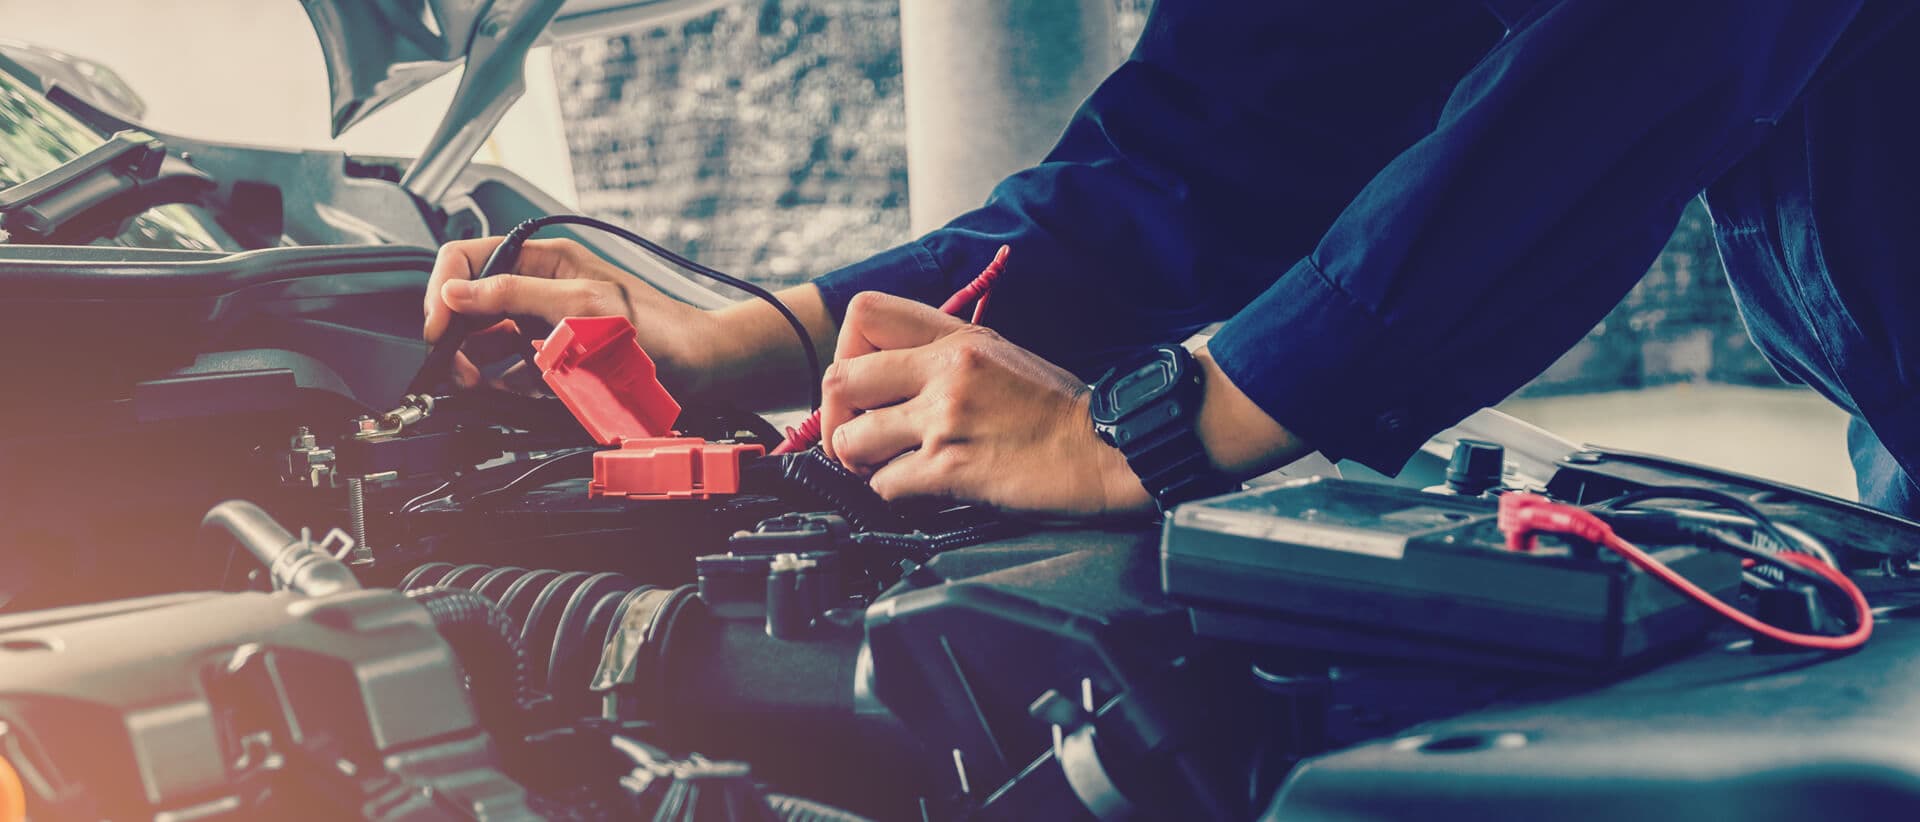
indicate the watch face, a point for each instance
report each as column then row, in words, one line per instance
column 1144, row 385
column 1148, row 382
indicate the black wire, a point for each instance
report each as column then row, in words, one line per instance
column 448, row 489
column 799, row 329
column 1717, row 538
column 1710, row 496
column 540, row 469
column 408, row 506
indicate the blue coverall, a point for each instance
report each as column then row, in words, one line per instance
column 1405, row 209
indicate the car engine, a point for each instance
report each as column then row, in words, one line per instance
column 234, row 591
column 249, row 569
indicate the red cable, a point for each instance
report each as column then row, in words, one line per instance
column 804, row 435
column 1522, row 516
column 980, row 287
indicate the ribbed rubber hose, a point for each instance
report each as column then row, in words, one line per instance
column 795, row 809
column 488, row 647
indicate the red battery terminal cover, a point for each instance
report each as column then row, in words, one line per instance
column 598, row 370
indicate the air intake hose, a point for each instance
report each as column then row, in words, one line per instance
column 488, row 647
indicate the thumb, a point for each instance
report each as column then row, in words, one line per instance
column 512, row 294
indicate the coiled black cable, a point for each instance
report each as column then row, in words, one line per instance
column 848, row 494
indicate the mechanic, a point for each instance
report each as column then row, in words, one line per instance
column 1401, row 210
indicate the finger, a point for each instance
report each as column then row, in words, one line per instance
column 915, row 474
column 550, row 300
column 880, row 322
column 863, row 383
column 879, row 379
column 871, row 440
column 463, row 259
column 456, row 261
column 875, row 322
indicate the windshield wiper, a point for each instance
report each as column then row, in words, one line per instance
column 90, row 195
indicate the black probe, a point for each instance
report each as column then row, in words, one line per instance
column 439, row 365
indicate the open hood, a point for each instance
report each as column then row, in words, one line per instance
column 378, row 51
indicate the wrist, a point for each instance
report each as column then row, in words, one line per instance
column 693, row 363
column 749, row 354
column 1120, row 489
column 1239, row 438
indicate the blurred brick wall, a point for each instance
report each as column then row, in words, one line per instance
column 764, row 140
column 768, row 140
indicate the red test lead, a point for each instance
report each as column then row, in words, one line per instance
column 807, row 433
column 1523, row 516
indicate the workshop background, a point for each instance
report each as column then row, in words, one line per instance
column 769, row 138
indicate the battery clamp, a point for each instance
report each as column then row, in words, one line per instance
column 598, row 370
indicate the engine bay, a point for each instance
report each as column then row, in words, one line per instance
column 240, row 581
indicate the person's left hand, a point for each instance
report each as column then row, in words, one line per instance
column 929, row 406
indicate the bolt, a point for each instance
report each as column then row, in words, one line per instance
column 303, row 437
column 357, row 512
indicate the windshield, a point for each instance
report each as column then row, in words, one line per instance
column 36, row 136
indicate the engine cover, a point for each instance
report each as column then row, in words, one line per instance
column 257, row 705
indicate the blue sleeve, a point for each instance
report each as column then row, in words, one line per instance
column 1229, row 140
column 1552, row 178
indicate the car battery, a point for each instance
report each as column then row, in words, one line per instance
column 1382, row 571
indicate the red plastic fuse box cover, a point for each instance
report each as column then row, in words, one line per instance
column 595, row 366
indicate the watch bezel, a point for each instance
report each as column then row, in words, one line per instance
column 1102, row 407
column 1175, row 398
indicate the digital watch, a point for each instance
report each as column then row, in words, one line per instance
column 1148, row 407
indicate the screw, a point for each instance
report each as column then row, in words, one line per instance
column 357, row 512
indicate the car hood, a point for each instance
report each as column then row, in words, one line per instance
column 378, row 51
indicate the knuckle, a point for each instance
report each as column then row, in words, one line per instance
column 565, row 249
column 968, row 355
column 945, row 459
column 834, row 380
column 597, row 300
column 955, row 412
column 888, row 490
column 979, row 334
column 501, row 289
column 865, row 302
column 946, row 430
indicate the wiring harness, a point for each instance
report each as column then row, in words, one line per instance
column 1524, row 517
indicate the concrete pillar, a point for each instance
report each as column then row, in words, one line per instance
column 989, row 86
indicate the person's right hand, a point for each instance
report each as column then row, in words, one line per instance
column 553, row 280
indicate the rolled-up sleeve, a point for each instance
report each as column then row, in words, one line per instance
column 1486, row 249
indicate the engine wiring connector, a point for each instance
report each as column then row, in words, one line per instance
column 595, row 366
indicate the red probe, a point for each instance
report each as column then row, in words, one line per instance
column 1522, row 516
column 807, row 433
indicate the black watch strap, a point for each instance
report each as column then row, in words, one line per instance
column 1173, row 465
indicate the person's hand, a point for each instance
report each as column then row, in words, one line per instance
column 929, row 406
column 553, row 280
